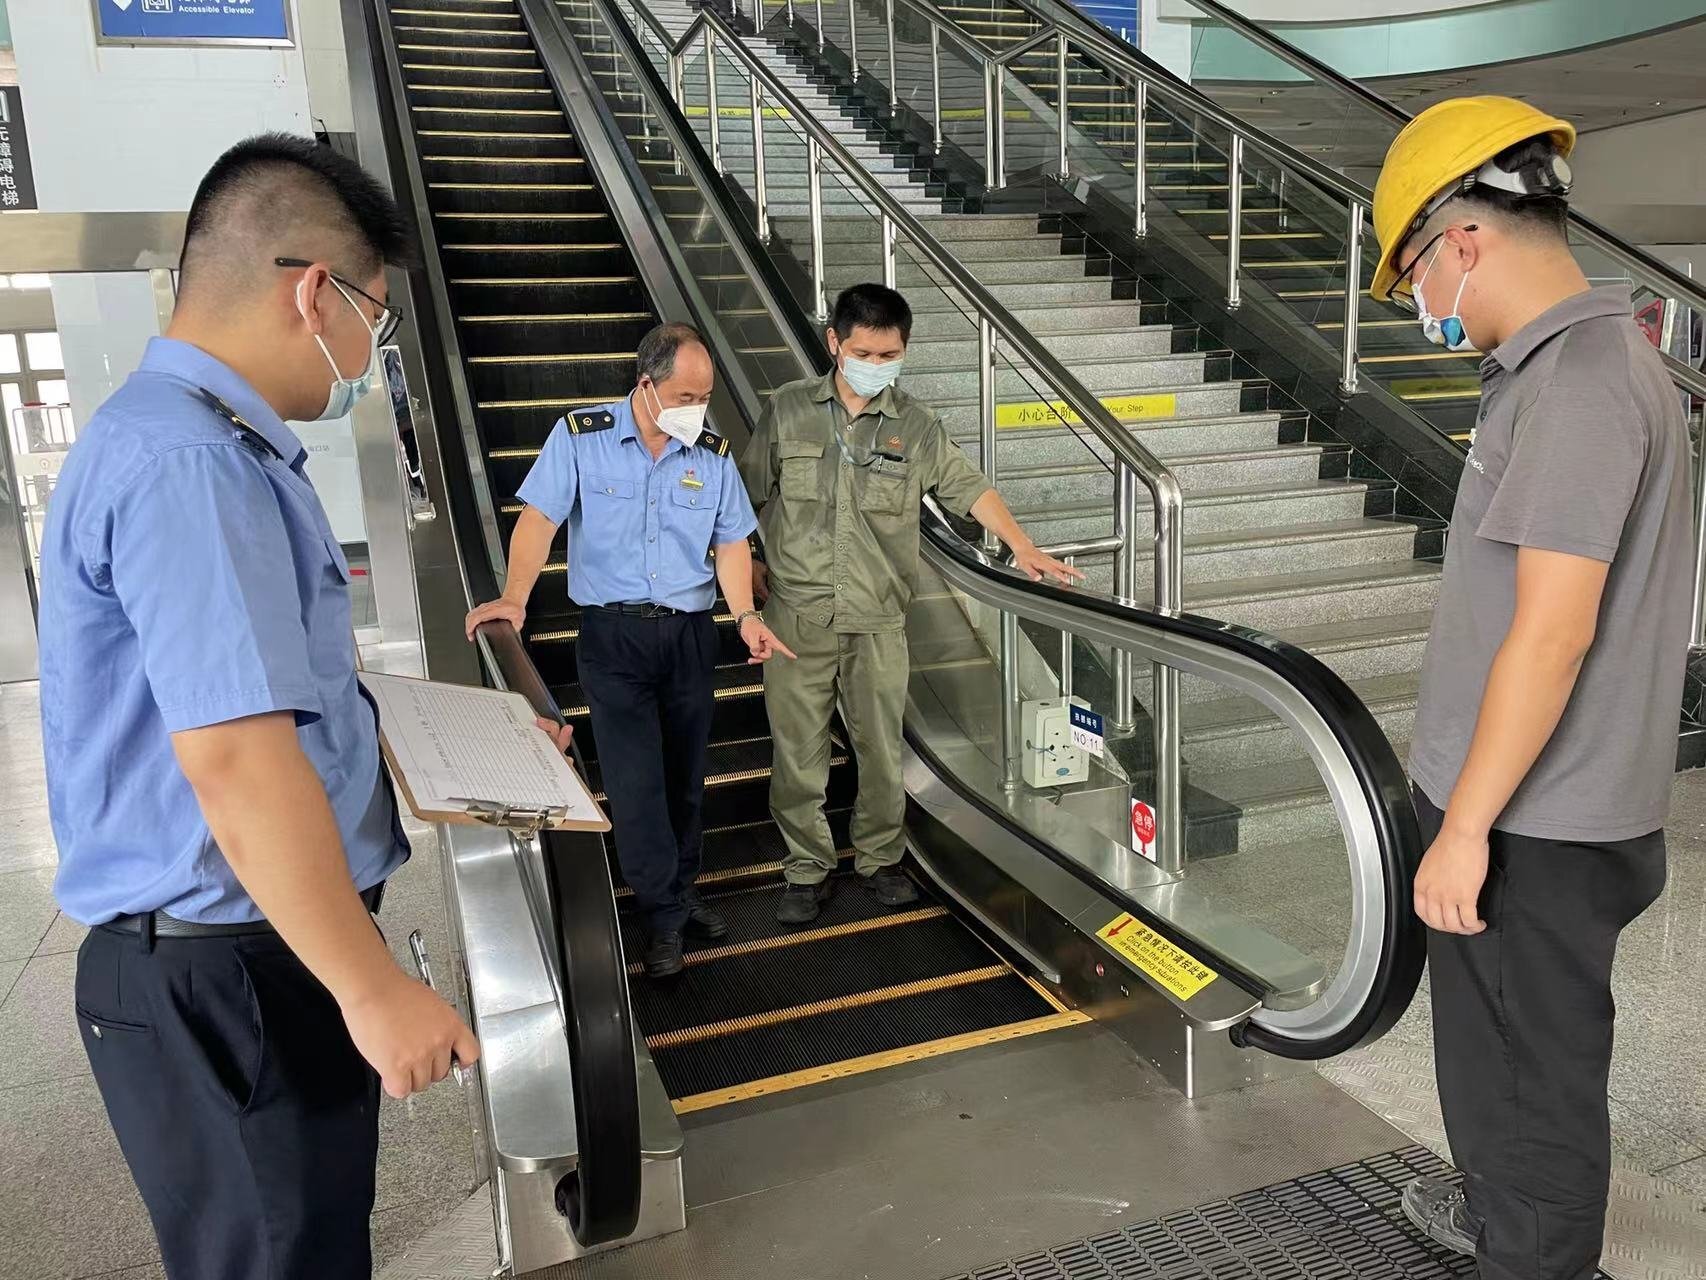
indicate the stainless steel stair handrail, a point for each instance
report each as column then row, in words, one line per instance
column 1135, row 464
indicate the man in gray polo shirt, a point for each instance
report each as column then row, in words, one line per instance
column 1545, row 738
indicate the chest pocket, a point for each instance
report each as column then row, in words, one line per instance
column 689, row 500
column 600, row 489
column 886, row 491
column 340, row 566
column 800, row 459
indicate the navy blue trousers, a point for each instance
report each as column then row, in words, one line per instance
column 648, row 683
column 247, row 1117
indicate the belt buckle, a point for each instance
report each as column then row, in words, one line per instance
column 657, row 611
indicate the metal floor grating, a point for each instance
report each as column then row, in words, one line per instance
column 1342, row 1224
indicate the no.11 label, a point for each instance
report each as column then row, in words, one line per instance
column 1086, row 729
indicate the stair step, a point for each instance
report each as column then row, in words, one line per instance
column 1235, row 732
column 1286, row 602
column 1098, row 374
column 1208, row 511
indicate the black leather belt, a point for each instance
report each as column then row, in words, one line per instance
column 644, row 610
column 160, row 925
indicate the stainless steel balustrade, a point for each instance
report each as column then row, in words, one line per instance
column 1134, row 464
column 1059, row 22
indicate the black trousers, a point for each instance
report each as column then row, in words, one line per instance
column 1523, row 1019
column 247, row 1117
column 648, row 682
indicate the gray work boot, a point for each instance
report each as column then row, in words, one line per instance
column 1438, row 1210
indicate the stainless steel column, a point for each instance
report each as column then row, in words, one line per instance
column 1011, row 729
column 1000, row 125
column 986, row 411
column 760, row 187
column 1234, row 221
column 888, row 252
column 894, row 76
column 814, row 183
column 991, row 167
column 936, row 82
column 1140, row 124
column 712, row 106
column 1062, row 108
column 820, row 26
column 1353, row 299
column 853, row 37
column 1124, row 718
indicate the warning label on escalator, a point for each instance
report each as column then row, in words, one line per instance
column 1174, row 968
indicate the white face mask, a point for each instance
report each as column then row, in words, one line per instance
column 683, row 422
column 1442, row 331
column 344, row 392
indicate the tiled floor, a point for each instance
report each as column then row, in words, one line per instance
column 67, row 1206
column 68, row 1209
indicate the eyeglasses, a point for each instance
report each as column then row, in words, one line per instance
column 1406, row 301
column 389, row 317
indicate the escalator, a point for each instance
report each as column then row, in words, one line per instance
column 549, row 307
column 564, row 207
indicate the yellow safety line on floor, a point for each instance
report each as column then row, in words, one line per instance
column 799, row 938
column 493, row 133
column 545, row 280
column 461, row 31
column 557, row 316
column 720, row 695
column 551, row 402
column 570, row 357
column 462, row 66
column 877, row 1062
column 488, row 111
column 507, row 159
column 527, row 217
column 752, row 869
column 841, row 1004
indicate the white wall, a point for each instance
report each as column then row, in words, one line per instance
column 1343, row 10
column 320, row 32
column 1645, row 181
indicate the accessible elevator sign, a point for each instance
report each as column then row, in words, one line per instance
column 241, row 22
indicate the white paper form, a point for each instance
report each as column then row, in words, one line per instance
column 455, row 745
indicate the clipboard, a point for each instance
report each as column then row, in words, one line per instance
column 462, row 754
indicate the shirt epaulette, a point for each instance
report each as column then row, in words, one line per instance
column 580, row 423
column 246, row 433
column 717, row 444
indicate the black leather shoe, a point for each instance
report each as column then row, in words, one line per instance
column 891, row 887
column 802, row 902
column 663, row 955
column 702, row 922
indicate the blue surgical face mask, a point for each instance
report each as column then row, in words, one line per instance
column 345, row 391
column 870, row 378
column 1442, row 331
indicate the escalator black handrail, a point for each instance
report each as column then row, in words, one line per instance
column 663, row 268
column 805, row 341
column 601, row 1196
column 1380, row 780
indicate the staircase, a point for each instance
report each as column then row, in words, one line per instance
column 1277, row 535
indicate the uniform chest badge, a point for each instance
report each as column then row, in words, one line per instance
column 894, row 442
column 691, row 481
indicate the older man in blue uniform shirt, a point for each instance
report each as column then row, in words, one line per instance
column 649, row 495
column 214, row 779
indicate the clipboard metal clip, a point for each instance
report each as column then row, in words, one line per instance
column 523, row 821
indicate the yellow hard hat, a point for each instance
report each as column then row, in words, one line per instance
column 1447, row 143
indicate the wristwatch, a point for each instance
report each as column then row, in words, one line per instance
column 744, row 615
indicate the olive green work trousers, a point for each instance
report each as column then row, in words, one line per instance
column 866, row 673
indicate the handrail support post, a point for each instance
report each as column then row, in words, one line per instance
column 1234, row 222
column 1353, row 300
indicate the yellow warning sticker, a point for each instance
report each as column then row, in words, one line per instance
column 1052, row 413
column 1176, row 970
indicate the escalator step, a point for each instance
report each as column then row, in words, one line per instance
column 751, row 915
column 829, row 962
column 839, row 1035
column 760, row 844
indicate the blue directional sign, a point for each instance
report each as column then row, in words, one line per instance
column 193, row 21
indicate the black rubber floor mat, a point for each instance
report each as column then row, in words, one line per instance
column 1335, row 1225
column 850, row 1033
column 754, row 984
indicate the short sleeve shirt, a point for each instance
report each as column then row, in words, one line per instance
column 190, row 577
column 1580, row 448
column 641, row 529
column 839, row 496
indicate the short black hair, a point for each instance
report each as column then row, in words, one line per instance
column 286, row 195
column 1540, row 216
column 658, row 349
column 870, row 306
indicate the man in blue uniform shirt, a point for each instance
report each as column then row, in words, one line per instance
column 213, row 769
column 649, row 494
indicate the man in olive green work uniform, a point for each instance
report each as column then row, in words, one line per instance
column 838, row 467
